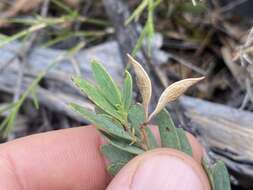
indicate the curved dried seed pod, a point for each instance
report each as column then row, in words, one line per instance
column 143, row 83
column 172, row 92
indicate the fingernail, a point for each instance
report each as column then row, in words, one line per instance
column 165, row 173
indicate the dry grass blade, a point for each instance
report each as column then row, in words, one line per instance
column 173, row 92
column 21, row 6
column 18, row 6
column 143, row 83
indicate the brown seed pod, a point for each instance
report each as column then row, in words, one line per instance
column 173, row 92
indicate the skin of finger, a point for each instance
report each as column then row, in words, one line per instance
column 64, row 160
column 125, row 176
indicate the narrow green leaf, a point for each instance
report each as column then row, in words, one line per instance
column 96, row 97
column 185, row 145
column 117, row 157
column 137, row 12
column 167, row 130
column 152, row 144
column 220, row 176
column 115, row 154
column 102, row 122
column 150, row 24
column 98, row 110
column 34, row 97
column 108, row 88
column 126, row 147
column 140, row 41
column 217, row 174
column 115, row 167
column 136, row 117
column 208, row 170
column 127, row 93
column 122, row 145
column 90, row 116
column 171, row 136
column 112, row 126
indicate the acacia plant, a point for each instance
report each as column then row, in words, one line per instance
column 125, row 123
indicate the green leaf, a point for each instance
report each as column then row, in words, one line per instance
column 96, row 97
column 117, row 157
column 220, row 176
column 115, row 154
column 208, row 170
column 171, row 137
column 140, row 41
column 34, row 97
column 98, row 110
column 127, row 93
column 185, row 145
column 136, row 117
column 122, row 145
column 152, row 144
column 150, row 24
column 102, row 122
column 113, row 127
column 108, row 88
column 167, row 130
column 137, row 12
column 115, row 167
column 127, row 147
column 217, row 174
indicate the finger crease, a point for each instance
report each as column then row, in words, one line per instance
column 11, row 166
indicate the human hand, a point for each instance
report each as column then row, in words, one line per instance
column 70, row 159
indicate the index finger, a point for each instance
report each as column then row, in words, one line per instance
column 64, row 160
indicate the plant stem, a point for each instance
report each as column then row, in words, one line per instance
column 144, row 138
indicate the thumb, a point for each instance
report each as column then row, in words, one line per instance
column 163, row 169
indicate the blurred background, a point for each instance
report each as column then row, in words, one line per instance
column 45, row 42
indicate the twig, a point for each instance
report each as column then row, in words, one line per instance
column 249, row 89
column 232, row 5
column 245, row 60
column 205, row 43
column 23, row 61
column 44, row 9
column 7, row 63
column 244, row 102
column 76, row 65
column 190, row 65
column 25, row 51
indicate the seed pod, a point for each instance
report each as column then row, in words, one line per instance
column 173, row 92
column 143, row 83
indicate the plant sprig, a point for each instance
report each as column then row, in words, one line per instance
column 148, row 30
column 125, row 124
column 7, row 124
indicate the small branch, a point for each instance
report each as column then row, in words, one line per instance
column 25, row 51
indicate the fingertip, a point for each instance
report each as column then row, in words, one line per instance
column 161, row 169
